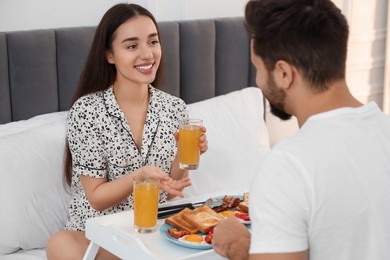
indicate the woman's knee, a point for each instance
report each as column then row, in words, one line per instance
column 66, row 245
column 53, row 244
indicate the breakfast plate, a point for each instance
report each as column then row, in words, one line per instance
column 164, row 232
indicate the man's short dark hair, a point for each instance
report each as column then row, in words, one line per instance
column 312, row 35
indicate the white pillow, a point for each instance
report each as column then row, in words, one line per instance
column 22, row 125
column 237, row 140
column 32, row 195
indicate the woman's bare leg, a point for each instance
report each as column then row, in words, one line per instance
column 69, row 245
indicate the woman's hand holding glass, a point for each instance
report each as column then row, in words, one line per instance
column 191, row 142
column 203, row 143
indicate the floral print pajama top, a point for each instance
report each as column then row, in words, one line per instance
column 102, row 145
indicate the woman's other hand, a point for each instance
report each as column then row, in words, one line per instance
column 175, row 187
column 171, row 186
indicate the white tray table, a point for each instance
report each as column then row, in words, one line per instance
column 116, row 234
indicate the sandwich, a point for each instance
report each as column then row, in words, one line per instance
column 178, row 222
column 204, row 218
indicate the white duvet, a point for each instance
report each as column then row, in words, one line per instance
column 34, row 254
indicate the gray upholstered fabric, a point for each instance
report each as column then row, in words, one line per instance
column 232, row 43
column 72, row 49
column 39, row 69
column 170, row 42
column 5, row 100
column 197, row 60
column 32, row 73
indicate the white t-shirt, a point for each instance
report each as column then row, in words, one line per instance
column 327, row 189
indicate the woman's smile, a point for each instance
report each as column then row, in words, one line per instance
column 145, row 68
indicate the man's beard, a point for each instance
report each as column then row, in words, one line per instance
column 276, row 98
column 279, row 113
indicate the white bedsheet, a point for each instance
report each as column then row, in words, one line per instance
column 34, row 254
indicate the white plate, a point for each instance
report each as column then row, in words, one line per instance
column 164, row 232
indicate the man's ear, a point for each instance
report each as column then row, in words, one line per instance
column 283, row 74
column 109, row 57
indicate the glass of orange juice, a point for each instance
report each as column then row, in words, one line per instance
column 189, row 152
column 145, row 205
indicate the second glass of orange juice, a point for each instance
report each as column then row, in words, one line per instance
column 145, row 205
column 189, row 152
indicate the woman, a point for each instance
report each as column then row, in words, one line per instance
column 119, row 127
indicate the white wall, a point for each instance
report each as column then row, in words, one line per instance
column 367, row 48
column 40, row 14
column 386, row 91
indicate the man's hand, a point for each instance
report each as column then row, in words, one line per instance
column 231, row 239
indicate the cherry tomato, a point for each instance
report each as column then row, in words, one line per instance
column 209, row 237
column 243, row 216
column 211, row 231
column 176, row 233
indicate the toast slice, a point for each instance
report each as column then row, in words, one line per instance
column 204, row 218
column 178, row 222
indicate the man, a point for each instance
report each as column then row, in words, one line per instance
column 323, row 194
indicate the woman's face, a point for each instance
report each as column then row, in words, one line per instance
column 136, row 51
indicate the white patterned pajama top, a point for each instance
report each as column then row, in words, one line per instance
column 102, row 145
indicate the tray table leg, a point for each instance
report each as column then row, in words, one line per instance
column 91, row 251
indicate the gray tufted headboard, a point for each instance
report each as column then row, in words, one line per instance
column 39, row 69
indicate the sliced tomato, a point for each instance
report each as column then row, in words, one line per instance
column 243, row 216
column 176, row 233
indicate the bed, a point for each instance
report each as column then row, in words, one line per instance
column 207, row 64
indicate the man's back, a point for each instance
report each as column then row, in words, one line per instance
column 327, row 187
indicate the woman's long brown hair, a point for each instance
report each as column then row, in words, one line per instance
column 98, row 74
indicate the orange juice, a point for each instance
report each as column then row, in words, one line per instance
column 145, row 205
column 189, row 152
